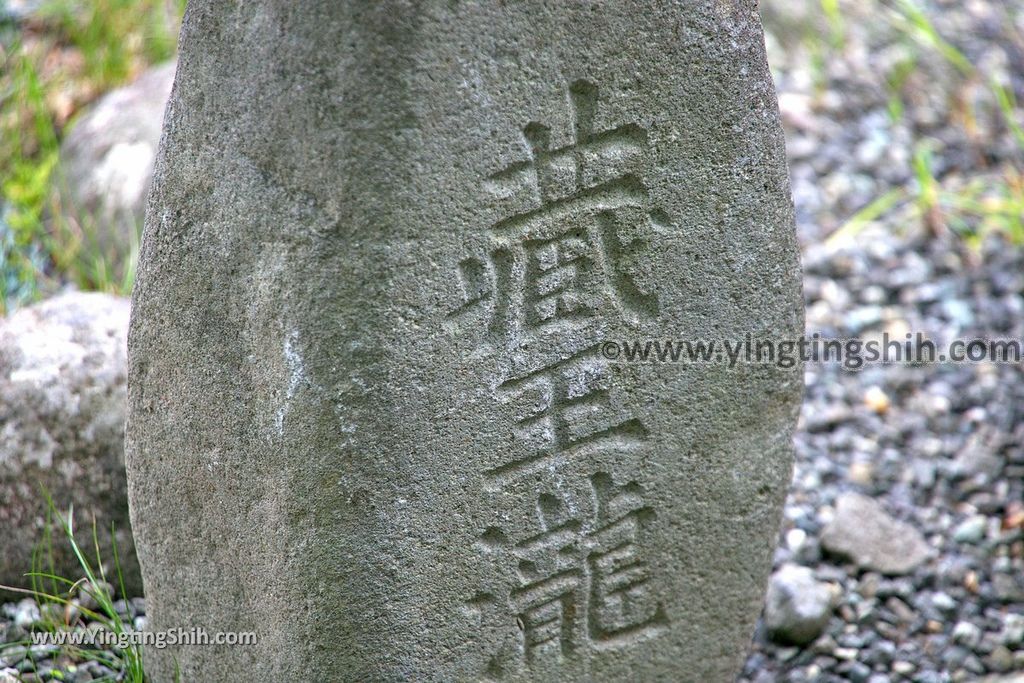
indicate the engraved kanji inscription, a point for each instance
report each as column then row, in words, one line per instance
column 562, row 411
column 573, row 222
column 567, row 254
column 582, row 582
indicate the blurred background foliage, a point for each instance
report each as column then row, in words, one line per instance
column 56, row 57
column 947, row 76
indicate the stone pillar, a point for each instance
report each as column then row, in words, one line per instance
column 374, row 415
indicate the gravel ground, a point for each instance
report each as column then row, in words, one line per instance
column 939, row 447
column 845, row 147
column 936, row 592
column 22, row 662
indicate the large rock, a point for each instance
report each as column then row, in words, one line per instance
column 106, row 160
column 864, row 533
column 62, row 399
column 370, row 413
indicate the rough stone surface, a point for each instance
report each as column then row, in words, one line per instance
column 797, row 606
column 62, row 402
column 369, row 415
column 106, row 160
column 866, row 534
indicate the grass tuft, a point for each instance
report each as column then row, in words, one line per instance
column 60, row 612
column 68, row 54
column 968, row 209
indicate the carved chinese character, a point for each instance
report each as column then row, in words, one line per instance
column 582, row 581
column 620, row 603
column 562, row 411
column 562, row 259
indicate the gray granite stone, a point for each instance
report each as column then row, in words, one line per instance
column 106, row 161
column 369, row 416
column 797, row 606
column 863, row 532
column 62, row 409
